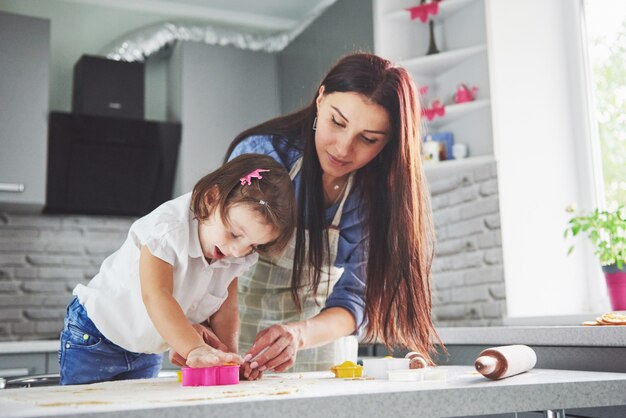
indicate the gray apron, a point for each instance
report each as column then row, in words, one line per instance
column 265, row 297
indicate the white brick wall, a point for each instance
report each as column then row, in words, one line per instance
column 42, row 258
column 467, row 274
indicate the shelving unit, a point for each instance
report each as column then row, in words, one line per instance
column 457, row 111
column 456, row 164
column 460, row 35
column 431, row 65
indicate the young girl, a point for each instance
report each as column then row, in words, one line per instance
column 176, row 270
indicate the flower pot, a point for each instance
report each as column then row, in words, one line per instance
column 616, row 285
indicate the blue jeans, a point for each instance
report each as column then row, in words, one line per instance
column 87, row 356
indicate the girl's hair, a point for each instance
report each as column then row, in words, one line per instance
column 272, row 196
column 395, row 200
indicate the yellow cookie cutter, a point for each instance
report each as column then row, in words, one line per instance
column 347, row 369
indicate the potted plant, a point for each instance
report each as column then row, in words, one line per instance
column 607, row 232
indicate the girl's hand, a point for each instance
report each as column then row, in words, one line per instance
column 279, row 344
column 177, row 359
column 245, row 372
column 207, row 335
column 206, row 356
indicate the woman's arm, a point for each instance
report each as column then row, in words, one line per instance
column 225, row 322
column 284, row 341
column 156, row 278
column 325, row 327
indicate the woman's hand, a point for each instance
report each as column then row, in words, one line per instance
column 206, row 356
column 274, row 348
column 207, row 335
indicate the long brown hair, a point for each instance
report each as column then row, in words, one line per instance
column 394, row 196
column 271, row 196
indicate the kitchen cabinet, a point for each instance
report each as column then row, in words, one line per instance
column 22, row 358
column 24, row 85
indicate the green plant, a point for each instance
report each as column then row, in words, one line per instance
column 606, row 230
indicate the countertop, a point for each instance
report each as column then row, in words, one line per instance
column 17, row 347
column 576, row 336
column 316, row 394
column 581, row 336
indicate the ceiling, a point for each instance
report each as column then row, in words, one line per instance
column 272, row 15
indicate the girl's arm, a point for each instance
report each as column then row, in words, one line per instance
column 225, row 322
column 157, row 283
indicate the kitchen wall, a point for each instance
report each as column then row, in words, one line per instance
column 42, row 257
column 302, row 64
column 467, row 274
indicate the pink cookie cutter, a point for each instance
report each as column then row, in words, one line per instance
column 211, row 376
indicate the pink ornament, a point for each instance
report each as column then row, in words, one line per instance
column 436, row 109
column 465, row 94
column 421, row 12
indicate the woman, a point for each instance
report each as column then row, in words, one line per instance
column 360, row 259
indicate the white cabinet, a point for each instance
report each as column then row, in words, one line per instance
column 460, row 36
column 24, row 52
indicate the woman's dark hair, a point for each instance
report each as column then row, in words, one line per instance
column 395, row 201
column 271, row 196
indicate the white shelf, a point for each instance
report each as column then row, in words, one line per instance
column 456, row 111
column 446, row 9
column 431, row 65
column 432, row 167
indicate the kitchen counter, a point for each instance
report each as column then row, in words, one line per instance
column 581, row 336
column 573, row 336
column 41, row 346
column 465, row 392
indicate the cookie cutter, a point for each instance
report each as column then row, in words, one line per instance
column 347, row 369
column 379, row 367
column 427, row 374
column 227, row 374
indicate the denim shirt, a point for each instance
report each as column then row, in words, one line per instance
column 349, row 291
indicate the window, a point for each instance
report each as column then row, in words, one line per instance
column 606, row 43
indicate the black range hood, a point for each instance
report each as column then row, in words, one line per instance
column 108, row 165
column 104, row 158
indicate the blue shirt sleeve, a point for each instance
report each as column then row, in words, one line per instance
column 349, row 291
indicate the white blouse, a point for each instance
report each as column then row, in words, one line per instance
column 113, row 299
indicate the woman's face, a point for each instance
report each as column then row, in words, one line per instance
column 350, row 132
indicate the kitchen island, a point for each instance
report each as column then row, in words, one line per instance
column 318, row 394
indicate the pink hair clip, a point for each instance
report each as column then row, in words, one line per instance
column 256, row 174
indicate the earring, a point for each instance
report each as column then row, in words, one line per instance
column 315, row 123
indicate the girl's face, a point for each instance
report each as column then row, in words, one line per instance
column 246, row 231
column 350, row 132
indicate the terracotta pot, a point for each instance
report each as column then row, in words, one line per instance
column 616, row 285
